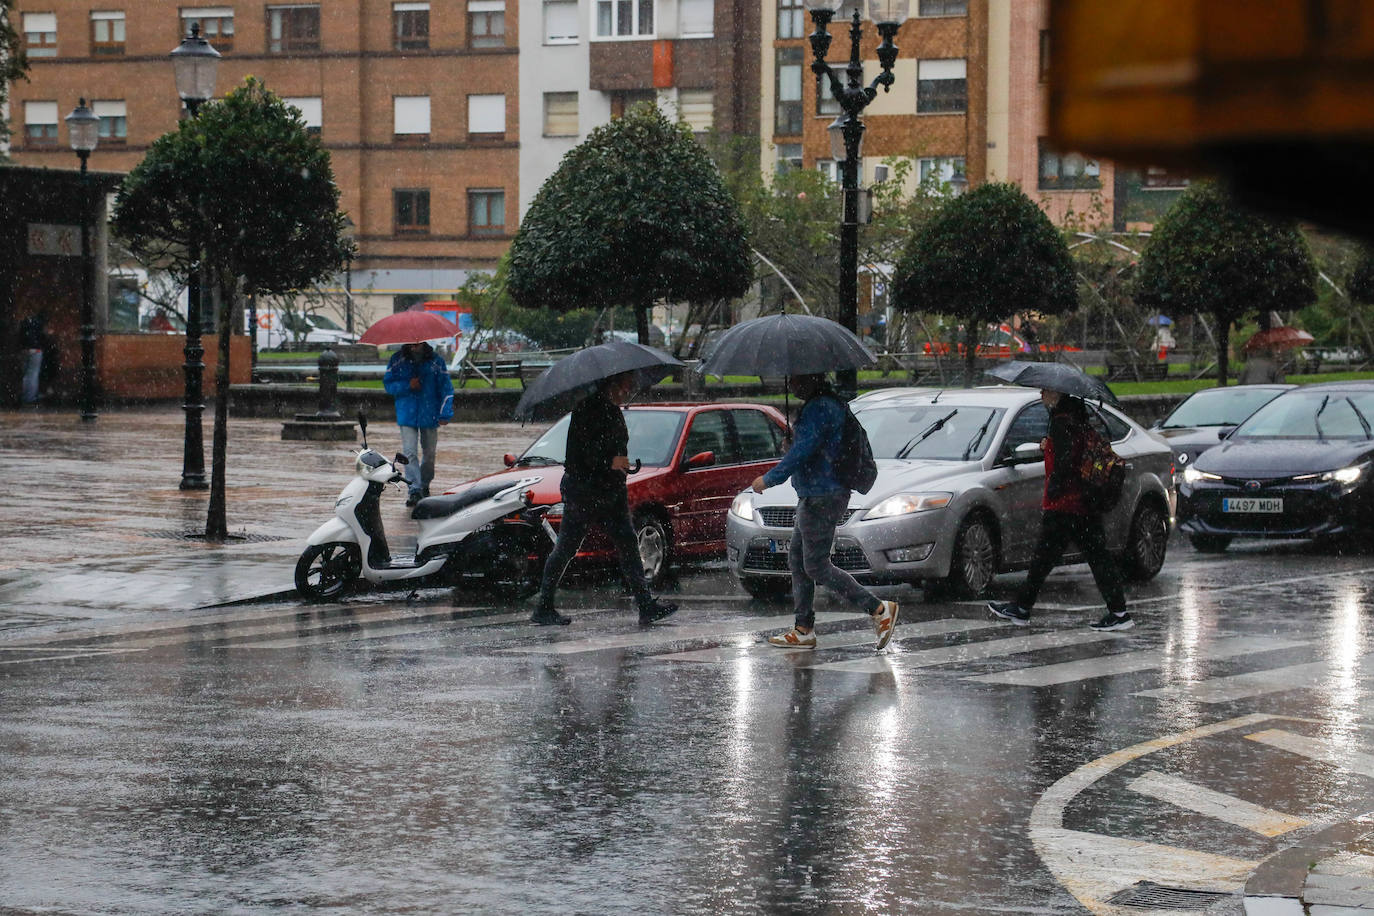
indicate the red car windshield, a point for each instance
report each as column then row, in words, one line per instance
column 653, row 438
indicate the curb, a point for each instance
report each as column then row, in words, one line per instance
column 1276, row 887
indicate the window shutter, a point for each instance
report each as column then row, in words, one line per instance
column 411, row 114
column 486, row 114
column 40, row 22
column 696, row 18
column 697, row 108
column 312, row 110
column 560, row 20
column 560, row 114
column 954, row 69
column 40, row 112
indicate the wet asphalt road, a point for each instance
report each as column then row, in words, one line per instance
column 440, row 755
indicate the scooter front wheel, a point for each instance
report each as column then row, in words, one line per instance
column 325, row 570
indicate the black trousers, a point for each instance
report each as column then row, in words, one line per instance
column 1057, row 530
column 612, row 512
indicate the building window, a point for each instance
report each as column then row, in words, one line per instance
column 626, row 99
column 1044, row 55
column 941, row 86
column 881, row 173
column 696, row 18
column 560, row 22
column 293, row 28
column 410, row 23
column 825, row 99
column 697, row 108
column 312, row 112
column 791, row 19
column 410, row 118
column 114, row 121
column 487, row 116
column 1066, row 171
column 486, row 23
column 946, row 174
column 40, row 123
column 1159, row 179
column 624, row 18
column 412, row 210
column 830, row 169
column 560, row 114
column 107, row 32
column 486, row 212
column 788, row 120
column 943, row 8
column 216, row 25
column 40, row 34
column 789, row 156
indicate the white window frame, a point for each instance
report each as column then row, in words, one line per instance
column 942, row 69
column 114, row 116
column 410, row 115
column 471, row 192
column 311, row 108
column 830, row 168
column 40, row 113
column 487, row 6
column 682, row 20
column 635, row 33
column 113, row 17
column 224, row 13
column 39, row 24
column 482, row 114
column 948, row 170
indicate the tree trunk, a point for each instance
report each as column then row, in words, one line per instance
column 970, row 353
column 642, row 320
column 1223, row 345
column 216, row 524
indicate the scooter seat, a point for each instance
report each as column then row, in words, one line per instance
column 443, row 506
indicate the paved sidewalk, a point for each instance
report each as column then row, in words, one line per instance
column 1329, row 874
column 95, row 526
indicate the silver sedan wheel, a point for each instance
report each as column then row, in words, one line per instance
column 975, row 559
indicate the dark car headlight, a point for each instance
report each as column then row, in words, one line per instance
column 1193, row 475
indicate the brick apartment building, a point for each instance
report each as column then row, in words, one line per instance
column 417, row 103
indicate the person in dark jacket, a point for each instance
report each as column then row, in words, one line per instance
column 1068, row 517
column 35, row 345
column 594, row 492
column 419, row 381
column 821, row 503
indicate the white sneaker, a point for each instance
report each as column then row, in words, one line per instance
column 884, row 622
column 794, row 639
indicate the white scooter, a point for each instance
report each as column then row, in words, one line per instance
column 489, row 536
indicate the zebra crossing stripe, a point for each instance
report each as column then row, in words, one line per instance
column 1184, row 794
column 1316, row 749
column 664, row 634
column 1250, row 684
column 967, row 652
column 846, row 639
column 1129, row 662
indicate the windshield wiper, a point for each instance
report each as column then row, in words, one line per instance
column 978, row 437
column 926, row 434
column 1363, row 421
column 527, row 460
column 1317, row 418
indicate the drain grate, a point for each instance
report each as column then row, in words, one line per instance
column 1159, row 896
column 242, row 537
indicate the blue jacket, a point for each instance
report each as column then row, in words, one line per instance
column 810, row 462
column 432, row 403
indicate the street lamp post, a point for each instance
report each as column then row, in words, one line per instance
column 195, row 65
column 847, row 132
column 349, row 231
column 83, row 129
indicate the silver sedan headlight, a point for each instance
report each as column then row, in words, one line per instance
column 743, row 506
column 907, row 503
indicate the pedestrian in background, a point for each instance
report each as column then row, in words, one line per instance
column 594, row 493
column 821, row 503
column 1068, row 517
column 34, row 342
column 418, row 379
column 1261, row 368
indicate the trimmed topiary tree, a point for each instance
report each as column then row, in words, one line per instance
column 984, row 256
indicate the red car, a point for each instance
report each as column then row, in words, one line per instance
column 695, row 459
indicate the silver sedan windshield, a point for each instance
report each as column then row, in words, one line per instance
column 964, row 435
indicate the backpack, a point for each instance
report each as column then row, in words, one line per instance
column 854, row 464
column 1102, row 470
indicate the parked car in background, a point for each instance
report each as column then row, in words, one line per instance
column 279, row 330
column 1193, row 426
column 695, row 458
column 1298, row 467
column 957, row 500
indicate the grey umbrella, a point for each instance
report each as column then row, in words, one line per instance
column 786, row 345
column 574, row 376
column 1055, row 377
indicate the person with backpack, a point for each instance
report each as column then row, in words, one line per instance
column 1082, row 480
column 818, row 472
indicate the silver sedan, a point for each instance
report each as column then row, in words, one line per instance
column 957, row 500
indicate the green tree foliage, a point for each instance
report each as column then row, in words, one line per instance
column 1211, row 256
column 984, row 256
column 636, row 212
column 1362, row 277
column 246, row 185
column 14, row 65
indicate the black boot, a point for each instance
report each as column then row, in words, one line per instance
column 547, row 616
column 655, row 611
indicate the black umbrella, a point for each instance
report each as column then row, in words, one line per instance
column 786, row 345
column 574, row 376
column 1055, row 377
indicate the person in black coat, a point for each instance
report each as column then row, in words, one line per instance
column 594, row 492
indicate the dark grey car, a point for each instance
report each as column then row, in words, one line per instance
column 1200, row 420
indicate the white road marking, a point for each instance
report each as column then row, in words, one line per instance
column 967, row 652
column 1129, row 662
column 1184, row 794
column 1250, row 684
column 846, row 639
column 663, row 634
column 1316, row 749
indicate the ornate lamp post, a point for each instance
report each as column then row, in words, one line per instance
column 847, row 132
column 83, row 129
column 350, row 232
column 195, row 65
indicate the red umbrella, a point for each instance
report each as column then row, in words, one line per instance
column 1279, row 338
column 409, row 327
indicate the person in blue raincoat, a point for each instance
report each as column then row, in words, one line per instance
column 418, row 379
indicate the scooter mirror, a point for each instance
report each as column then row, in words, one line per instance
column 400, row 459
column 362, row 424
column 508, row 459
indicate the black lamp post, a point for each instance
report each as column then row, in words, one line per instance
column 847, row 132
column 83, row 129
column 195, row 65
column 349, row 231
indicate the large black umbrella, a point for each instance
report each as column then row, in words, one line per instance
column 574, row 376
column 1054, row 376
column 784, row 345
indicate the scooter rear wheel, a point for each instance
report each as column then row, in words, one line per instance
column 517, row 563
column 325, row 570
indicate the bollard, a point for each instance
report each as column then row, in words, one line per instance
column 329, row 384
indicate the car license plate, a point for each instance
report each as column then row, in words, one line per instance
column 779, row 546
column 1251, row 504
